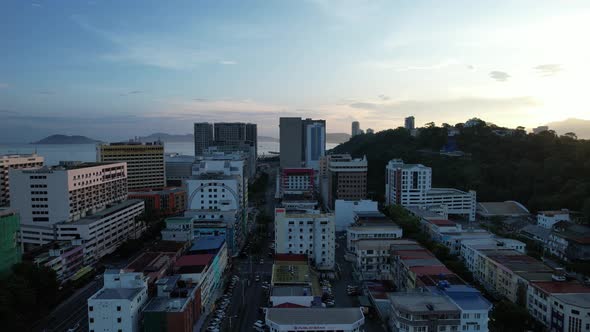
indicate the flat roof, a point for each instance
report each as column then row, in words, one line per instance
column 6, row 212
column 561, row 287
column 208, row 243
column 502, row 208
column 290, row 274
column 579, row 300
column 441, row 222
column 166, row 304
column 314, row 316
column 117, row 293
column 194, row 260
column 382, row 244
column 417, row 302
column 466, row 297
column 105, row 212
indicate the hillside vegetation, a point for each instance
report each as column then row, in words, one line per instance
column 542, row 171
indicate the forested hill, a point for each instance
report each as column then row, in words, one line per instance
column 542, row 171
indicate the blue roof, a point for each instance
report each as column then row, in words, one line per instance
column 208, row 243
column 465, row 297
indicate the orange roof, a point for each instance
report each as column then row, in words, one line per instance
column 561, row 287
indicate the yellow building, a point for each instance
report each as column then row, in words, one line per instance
column 145, row 162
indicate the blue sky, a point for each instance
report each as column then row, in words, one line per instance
column 116, row 69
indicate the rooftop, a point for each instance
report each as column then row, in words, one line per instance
column 6, row 212
column 507, row 208
column 554, row 213
column 290, row 274
column 106, row 212
column 416, row 302
column 557, row 287
column 465, row 297
column 117, row 293
column 314, row 316
column 208, row 243
column 578, row 300
column 441, row 222
column 380, row 244
column 166, row 304
column 536, row 231
column 194, row 260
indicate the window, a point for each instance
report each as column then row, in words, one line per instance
column 91, row 320
column 118, row 308
column 90, row 308
column 118, row 319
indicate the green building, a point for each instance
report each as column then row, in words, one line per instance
column 9, row 251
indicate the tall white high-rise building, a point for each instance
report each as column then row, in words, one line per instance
column 308, row 232
column 7, row 162
column 218, row 192
column 117, row 306
column 411, row 185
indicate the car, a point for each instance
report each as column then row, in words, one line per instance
column 261, row 261
column 257, row 278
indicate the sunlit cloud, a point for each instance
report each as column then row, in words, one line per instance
column 228, row 62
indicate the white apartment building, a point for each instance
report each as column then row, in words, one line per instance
column 560, row 305
column 48, row 196
column 218, row 191
column 103, row 232
column 410, row 185
column 7, row 162
column 309, row 232
column 345, row 211
column 473, row 251
column 549, row 218
column 371, row 232
column 117, row 306
column 145, row 162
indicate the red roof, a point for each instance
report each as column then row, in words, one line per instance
column 429, row 270
column 289, row 305
column 442, row 222
column 194, row 260
column 561, row 287
column 291, row 257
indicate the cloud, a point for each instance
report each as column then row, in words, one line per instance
column 3, row 85
column 499, row 76
column 200, row 99
column 36, row 5
column 364, row 105
column 147, row 50
column 134, row 92
column 384, row 97
column 46, row 92
column 228, row 62
column 548, row 69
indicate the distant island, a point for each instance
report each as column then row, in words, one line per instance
column 336, row 138
column 66, row 139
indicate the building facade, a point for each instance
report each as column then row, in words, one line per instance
column 345, row 179
column 178, row 168
column 117, row 306
column 306, row 232
column 145, row 162
column 314, row 319
column 291, row 141
column 412, row 312
column 63, row 257
column 549, row 218
column 297, row 181
column 8, row 162
column 410, row 185
column 162, row 201
column 39, row 195
column 355, row 128
column 314, row 142
column 203, row 134
column 409, row 123
column 345, row 211
column 10, row 253
column 218, row 192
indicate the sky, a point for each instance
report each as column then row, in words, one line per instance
column 117, row 69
